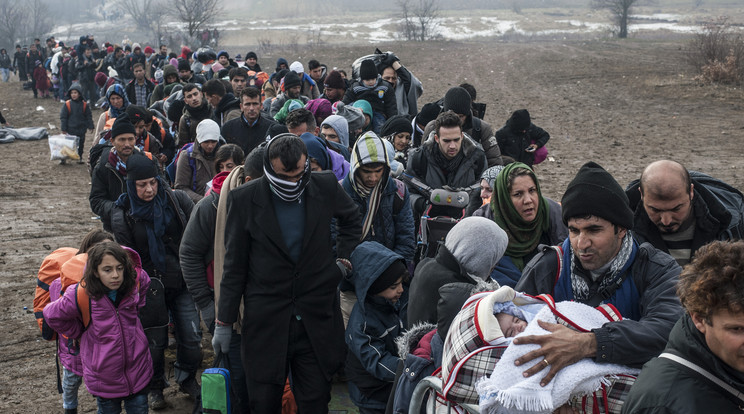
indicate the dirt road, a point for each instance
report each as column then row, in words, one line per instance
column 620, row 103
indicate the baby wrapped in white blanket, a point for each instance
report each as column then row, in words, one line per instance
column 507, row 391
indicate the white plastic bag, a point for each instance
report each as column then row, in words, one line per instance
column 64, row 147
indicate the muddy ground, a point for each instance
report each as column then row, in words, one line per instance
column 620, row 103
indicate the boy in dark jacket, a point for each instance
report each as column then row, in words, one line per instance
column 375, row 323
column 76, row 117
column 379, row 93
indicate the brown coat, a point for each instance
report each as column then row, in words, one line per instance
column 194, row 185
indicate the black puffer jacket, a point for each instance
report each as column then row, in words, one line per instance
column 513, row 143
column 666, row 387
column 718, row 209
column 133, row 233
column 197, row 250
column 422, row 165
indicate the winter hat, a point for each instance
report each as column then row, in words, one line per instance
column 207, row 130
column 340, row 125
column 354, row 116
column 122, row 125
column 251, row 55
column 368, row 70
column 297, row 67
column 364, row 106
column 490, row 175
column 389, row 276
column 37, row 63
column 223, row 52
column 316, row 149
column 291, row 80
column 139, row 167
column 238, row 57
column 137, row 113
column 594, row 192
column 520, row 120
column 183, row 65
column 148, row 49
column 136, row 46
column 334, row 80
column 217, row 67
column 429, row 112
column 477, row 243
column 457, row 100
column 73, row 53
column 127, row 48
column 100, row 79
column 395, row 125
column 174, row 62
column 320, row 107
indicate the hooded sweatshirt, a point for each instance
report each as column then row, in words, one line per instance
column 373, row 326
column 79, row 117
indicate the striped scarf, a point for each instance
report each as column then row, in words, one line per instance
column 117, row 163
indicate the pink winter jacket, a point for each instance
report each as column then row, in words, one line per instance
column 114, row 351
column 69, row 361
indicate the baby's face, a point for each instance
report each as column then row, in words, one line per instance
column 510, row 325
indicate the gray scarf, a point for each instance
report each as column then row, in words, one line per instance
column 579, row 283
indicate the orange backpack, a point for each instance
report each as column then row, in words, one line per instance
column 72, row 272
column 50, row 270
column 67, row 103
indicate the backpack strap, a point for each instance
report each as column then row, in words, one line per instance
column 83, row 303
column 67, row 104
column 705, row 373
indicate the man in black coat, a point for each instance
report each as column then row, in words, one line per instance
column 249, row 130
column 279, row 260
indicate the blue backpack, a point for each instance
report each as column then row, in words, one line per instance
column 171, row 168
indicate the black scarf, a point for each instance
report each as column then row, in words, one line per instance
column 201, row 112
column 447, row 165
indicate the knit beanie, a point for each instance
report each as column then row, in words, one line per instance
column 223, row 53
column 207, row 130
column 388, row 277
column 183, row 65
column 477, row 243
column 297, row 67
column 251, row 55
column 457, row 100
column 100, row 79
column 149, row 49
column 291, row 80
column 334, row 80
column 354, row 116
column 320, row 107
column 395, row 125
column 520, row 120
column 368, row 70
column 364, row 106
column 122, row 125
column 594, row 192
column 110, row 49
column 139, row 167
column 136, row 113
column 429, row 112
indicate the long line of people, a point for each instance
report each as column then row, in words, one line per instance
column 280, row 208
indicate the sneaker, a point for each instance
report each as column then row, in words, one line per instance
column 191, row 387
column 156, row 400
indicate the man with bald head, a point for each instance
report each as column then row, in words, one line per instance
column 679, row 211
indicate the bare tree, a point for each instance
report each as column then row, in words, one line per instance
column 38, row 20
column 620, row 11
column 419, row 18
column 196, row 14
column 12, row 18
column 147, row 14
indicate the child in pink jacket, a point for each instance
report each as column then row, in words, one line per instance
column 116, row 360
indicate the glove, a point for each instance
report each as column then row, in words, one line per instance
column 221, row 339
column 207, row 315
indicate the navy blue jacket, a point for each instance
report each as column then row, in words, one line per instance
column 373, row 326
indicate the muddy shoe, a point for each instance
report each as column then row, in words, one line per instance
column 191, row 387
column 156, row 400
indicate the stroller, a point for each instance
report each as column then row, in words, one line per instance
column 444, row 208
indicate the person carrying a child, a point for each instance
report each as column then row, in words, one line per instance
column 376, row 320
column 372, row 88
column 75, row 117
column 113, row 348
